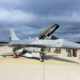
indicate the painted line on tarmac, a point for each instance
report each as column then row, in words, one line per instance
column 41, row 63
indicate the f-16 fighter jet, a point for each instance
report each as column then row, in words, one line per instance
column 34, row 47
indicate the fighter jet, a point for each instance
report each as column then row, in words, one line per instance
column 33, row 47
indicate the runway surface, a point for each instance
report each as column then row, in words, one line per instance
column 55, row 67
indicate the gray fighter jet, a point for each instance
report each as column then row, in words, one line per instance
column 33, row 47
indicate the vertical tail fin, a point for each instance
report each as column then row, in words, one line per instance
column 13, row 35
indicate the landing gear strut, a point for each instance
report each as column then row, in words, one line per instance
column 15, row 54
column 41, row 57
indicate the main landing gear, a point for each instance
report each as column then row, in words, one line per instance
column 15, row 54
column 41, row 57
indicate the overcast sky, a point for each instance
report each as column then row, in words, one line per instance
column 29, row 17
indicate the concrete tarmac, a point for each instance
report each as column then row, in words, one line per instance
column 55, row 67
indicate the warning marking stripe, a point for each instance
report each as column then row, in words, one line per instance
column 40, row 63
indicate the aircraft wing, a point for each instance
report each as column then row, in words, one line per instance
column 59, row 43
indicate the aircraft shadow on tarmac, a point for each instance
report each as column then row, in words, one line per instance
column 59, row 59
column 47, row 57
column 6, row 54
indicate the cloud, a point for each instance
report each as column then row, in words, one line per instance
column 32, row 20
column 12, row 2
column 18, row 16
column 72, row 37
column 73, row 18
column 15, row 16
column 31, row 16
